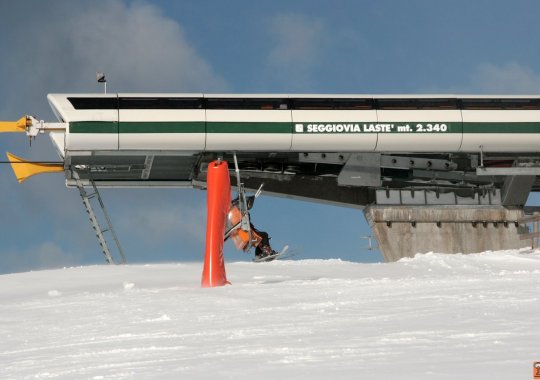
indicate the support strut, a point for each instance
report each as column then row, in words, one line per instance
column 86, row 199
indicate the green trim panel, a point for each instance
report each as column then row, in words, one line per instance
column 287, row 127
column 502, row 127
column 249, row 127
column 162, row 127
column 93, row 127
column 179, row 127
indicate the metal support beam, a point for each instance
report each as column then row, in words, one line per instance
column 516, row 190
column 309, row 188
column 361, row 170
column 148, row 162
column 515, row 170
column 408, row 162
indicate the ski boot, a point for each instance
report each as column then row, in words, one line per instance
column 265, row 251
column 268, row 251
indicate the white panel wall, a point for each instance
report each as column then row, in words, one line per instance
column 494, row 140
column 416, row 141
column 157, row 140
column 86, row 141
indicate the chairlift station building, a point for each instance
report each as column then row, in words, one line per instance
column 444, row 173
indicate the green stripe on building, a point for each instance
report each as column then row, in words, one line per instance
column 137, row 127
column 179, row 127
column 287, row 128
column 248, row 127
column 93, row 127
column 162, row 127
column 501, row 127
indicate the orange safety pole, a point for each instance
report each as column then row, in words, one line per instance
column 218, row 204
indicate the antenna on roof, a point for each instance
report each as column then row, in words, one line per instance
column 100, row 77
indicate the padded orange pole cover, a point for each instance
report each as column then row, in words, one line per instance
column 218, row 204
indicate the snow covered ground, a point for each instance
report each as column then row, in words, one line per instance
column 431, row 317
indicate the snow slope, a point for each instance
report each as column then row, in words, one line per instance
column 431, row 317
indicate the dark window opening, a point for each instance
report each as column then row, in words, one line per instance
column 94, row 103
column 353, row 104
column 88, row 103
column 332, row 104
column 417, row 104
column 497, row 104
column 313, row 104
column 246, row 103
column 160, row 103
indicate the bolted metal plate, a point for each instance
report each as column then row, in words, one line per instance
column 362, row 169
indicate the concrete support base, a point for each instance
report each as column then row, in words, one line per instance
column 403, row 231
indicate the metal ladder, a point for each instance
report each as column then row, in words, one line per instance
column 86, row 197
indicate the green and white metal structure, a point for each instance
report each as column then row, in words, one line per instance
column 350, row 150
column 277, row 131
column 299, row 123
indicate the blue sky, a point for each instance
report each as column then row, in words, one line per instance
column 231, row 46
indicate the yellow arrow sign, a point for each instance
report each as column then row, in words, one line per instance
column 24, row 169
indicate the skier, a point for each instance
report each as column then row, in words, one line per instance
column 260, row 239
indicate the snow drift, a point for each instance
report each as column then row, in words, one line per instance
column 434, row 316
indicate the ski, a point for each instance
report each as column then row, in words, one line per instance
column 284, row 253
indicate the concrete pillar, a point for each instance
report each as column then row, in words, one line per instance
column 403, row 231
